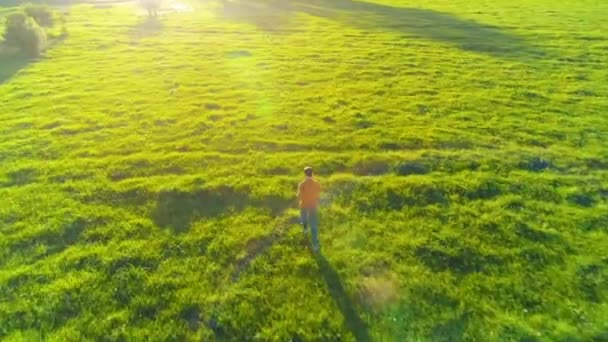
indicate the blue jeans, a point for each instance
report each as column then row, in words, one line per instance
column 308, row 217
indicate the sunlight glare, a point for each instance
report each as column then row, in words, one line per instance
column 179, row 7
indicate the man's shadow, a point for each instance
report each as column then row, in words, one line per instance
column 353, row 322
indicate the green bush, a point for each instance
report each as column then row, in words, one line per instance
column 12, row 25
column 23, row 31
column 43, row 15
column 371, row 166
column 411, row 168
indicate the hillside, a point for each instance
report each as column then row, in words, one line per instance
column 148, row 170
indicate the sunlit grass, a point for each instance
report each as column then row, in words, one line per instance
column 148, row 172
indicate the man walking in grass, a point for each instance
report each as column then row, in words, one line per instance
column 308, row 195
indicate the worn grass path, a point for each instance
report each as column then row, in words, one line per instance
column 148, row 169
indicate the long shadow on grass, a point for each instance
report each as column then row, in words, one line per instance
column 177, row 210
column 10, row 64
column 53, row 240
column 353, row 322
column 464, row 34
column 20, row 177
column 269, row 15
column 11, row 60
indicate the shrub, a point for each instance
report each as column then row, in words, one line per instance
column 581, row 198
column 23, row 32
column 11, row 26
column 371, row 166
column 43, row 15
column 535, row 164
column 411, row 168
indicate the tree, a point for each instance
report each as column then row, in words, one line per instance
column 23, row 31
column 152, row 6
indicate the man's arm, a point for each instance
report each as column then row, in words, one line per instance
column 299, row 194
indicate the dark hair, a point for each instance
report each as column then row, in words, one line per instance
column 308, row 171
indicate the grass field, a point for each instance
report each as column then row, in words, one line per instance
column 148, row 170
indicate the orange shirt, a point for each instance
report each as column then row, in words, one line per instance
column 308, row 193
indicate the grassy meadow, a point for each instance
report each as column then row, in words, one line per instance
column 148, row 169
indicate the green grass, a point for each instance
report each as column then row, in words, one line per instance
column 148, row 171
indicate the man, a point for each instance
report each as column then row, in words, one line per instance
column 308, row 195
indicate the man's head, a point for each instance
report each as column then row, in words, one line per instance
column 308, row 171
